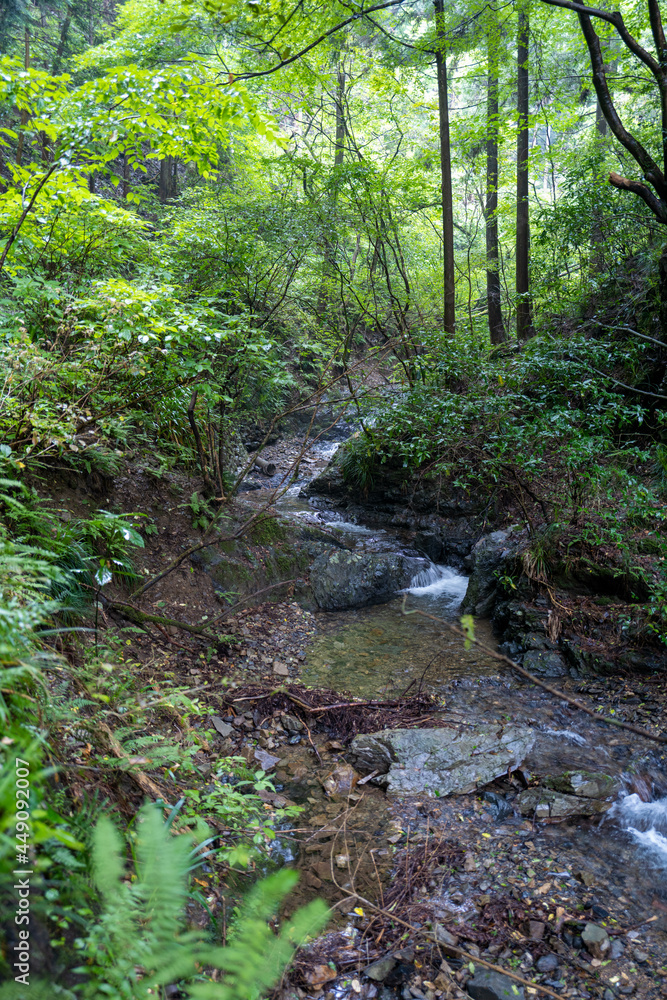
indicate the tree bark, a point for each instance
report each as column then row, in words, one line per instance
column 449, row 303
column 496, row 328
column 166, row 179
column 524, row 321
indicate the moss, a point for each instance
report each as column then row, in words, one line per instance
column 268, row 531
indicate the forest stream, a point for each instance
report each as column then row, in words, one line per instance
column 613, row 865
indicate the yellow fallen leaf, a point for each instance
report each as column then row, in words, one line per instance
column 358, row 911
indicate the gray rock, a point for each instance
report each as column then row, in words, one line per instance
column 380, row 970
column 489, row 985
column 596, row 940
column 545, row 803
column 266, row 760
column 640, row 956
column 617, row 948
column 444, row 937
column 548, row 963
column 545, row 663
column 589, row 784
column 441, row 761
column 221, row 727
column 486, row 558
column 345, row 579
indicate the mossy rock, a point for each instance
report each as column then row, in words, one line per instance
column 268, row 531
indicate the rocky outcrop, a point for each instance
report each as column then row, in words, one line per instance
column 345, row 579
column 492, row 555
column 440, row 761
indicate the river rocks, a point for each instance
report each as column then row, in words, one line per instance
column 490, row 554
column 354, row 579
column 441, row 761
column 545, row 663
column 589, row 784
column 596, row 940
column 545, row 803
column 489, row 985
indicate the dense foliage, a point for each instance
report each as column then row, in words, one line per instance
column 213, row 212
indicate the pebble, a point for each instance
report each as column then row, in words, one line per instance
column 547, row 963
column 617, row 948
column 639, row 956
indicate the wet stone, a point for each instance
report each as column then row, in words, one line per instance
column 588, row 784
column 489, row 985
column 381, row 969
column 617, row 948
column 545, row 663
column 545, row 803
column 547, row 963
column 441, row 761
column 596, row 940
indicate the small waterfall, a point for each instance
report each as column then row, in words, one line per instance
column 439, row 581
column 645, row 822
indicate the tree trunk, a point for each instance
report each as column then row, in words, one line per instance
column 24, row 113
column 166, row 178
column 524, row 321
column 328, row 258
column 64, row 31
column 446, row 173
column 126, row 176
column 494, row 307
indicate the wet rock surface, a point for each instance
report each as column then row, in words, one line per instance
column 489, row 985
column 546, row 804
column 441, row 761
column 355, row 579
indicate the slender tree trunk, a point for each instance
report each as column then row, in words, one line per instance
column 446, row 173
column 494, row 307
column 524, row 321
column 166, row 178
column 126, row 176
column 64, row 32
column 24, row 113
column 328, row 261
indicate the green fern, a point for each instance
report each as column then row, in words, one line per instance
column 139, row 942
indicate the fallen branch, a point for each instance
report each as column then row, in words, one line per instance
column 145, row 783
column 535, row 680
column 141, row 618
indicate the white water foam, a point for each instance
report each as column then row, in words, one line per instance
column 646, row 822
column 567, row 734
column 439, row 581
column 352, row 529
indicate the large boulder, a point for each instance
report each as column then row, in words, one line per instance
column 491, row 554
column 344, row 579
column 545, row 663
column 441, row 761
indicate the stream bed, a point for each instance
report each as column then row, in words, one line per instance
column 613, row 867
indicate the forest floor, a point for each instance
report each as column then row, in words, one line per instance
column 412, row 881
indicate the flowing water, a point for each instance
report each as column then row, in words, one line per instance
column 385, row 650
